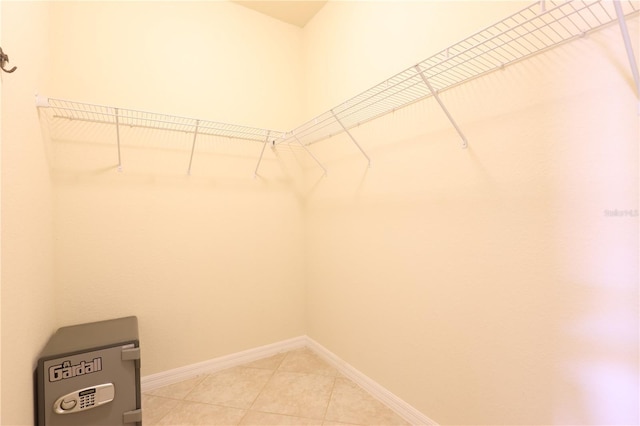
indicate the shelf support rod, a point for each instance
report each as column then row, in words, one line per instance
column 627, row 43
column 444, row 108
column 311, row 154
column 193, row 147
column 118, row 139
column 266, row 141
column 351, row 136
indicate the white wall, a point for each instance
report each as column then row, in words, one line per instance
column 28, row 302
column 487, row 285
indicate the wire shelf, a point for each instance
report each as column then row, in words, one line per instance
column 534, row 29
column 65, row 109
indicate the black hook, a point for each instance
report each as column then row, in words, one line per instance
column 5, row 58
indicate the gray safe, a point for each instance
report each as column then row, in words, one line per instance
column 89, row 374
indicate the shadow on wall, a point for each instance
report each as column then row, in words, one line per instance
column 502, row 278
column 81, row 150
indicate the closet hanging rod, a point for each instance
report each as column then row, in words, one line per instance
column 532, row 30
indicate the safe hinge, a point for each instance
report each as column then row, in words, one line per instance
column 130, row 353
column 134, row 416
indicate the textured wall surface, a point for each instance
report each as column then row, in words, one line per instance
column 28, row 296
column 492, row 285
column 209, row 262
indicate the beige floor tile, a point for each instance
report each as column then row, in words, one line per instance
column 177, row 390
column 154, row 408
column 270, row 363
column 292, row 388
column 236, row 387
column 257, row 418
column 295, row 394
column 305, row 361
column 351, row 404
column 193, row 413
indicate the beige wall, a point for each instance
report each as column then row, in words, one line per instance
column 210, row 263
column 213, row 60
column 487, row 285
column 0, row 226
column 28, row 302
column 353, row 45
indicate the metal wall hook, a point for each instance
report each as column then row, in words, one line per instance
column 3, row 59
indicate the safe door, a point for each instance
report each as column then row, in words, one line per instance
column 97, row 387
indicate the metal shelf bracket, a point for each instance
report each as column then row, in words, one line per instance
column 444, row 108
column 629, row 47
column 118, row 139
column 311, row 154
column 351, row 136
column 193, row 147
column 61, row 109
column 266, row 141
column 534, row 29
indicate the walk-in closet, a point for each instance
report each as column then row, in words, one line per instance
column 395, row 212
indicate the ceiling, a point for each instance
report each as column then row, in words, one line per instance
column 293, row 12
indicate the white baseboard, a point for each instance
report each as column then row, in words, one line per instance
column 404, row 410
column 169, row 377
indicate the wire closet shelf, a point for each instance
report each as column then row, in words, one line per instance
column 73, row 110
column 538, row 27
column 534, row 29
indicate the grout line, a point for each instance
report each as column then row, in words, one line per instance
column 326, row 410
column 163, row 397
column 391, row 401
column 341, row 370
column 286, row 354
column 202, row 379
column 224, row 362
column 273, row 372
column 165, row 414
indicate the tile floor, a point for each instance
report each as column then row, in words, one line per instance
column 291, row 388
